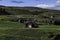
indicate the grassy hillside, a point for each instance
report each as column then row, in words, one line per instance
column 30, row 11
column 12, row 30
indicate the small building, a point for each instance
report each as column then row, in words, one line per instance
column 31, row 25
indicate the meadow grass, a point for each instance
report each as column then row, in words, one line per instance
column 17, row 31
column 27, row 34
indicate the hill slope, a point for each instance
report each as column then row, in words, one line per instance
column 29, row 11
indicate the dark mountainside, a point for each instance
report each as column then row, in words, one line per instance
column 4, row 10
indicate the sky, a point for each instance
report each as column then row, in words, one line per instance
column 50, row 4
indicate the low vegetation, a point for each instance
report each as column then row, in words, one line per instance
column 28, row 34
column 11, row 29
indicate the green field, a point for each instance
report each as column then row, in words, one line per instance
column 27, row 34
column 9, row 24
column 17, row 31
column 13, row 30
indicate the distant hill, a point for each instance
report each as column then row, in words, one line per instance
column 29, row 11
column 2, row 6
